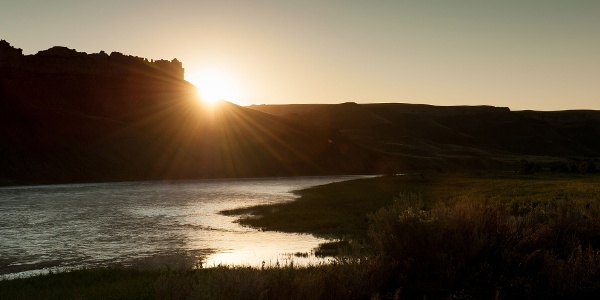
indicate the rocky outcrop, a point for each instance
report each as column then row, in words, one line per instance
column 98, row 84
column 62, row 59
column 9, row 57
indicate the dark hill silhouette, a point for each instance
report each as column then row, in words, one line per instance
column 457, row 135
column 67, row 116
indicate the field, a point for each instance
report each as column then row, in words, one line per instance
column 476, row 235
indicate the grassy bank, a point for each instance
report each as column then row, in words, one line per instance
column 436, row 236
column 342, row 280
column 84, row 284
column 340, row 209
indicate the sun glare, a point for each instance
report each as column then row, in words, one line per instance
column 214, row 85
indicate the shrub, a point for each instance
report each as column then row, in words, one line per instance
column 437, row 247
column 482, row 247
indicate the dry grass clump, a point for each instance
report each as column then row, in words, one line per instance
column 486, row 247
column 340, row 280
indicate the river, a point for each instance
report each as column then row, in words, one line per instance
column 171, row 224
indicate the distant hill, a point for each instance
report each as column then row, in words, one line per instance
column 69, row 116
column 457, row 136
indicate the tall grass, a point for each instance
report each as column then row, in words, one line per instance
column 336, row 281
column 83, row 284
column 486, row 248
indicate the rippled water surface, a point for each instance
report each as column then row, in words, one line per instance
column 84, row 225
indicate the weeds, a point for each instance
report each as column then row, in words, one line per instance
column 480, row 247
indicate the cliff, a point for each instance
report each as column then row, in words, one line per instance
column 62, row 59
column 97, row 84
column 68, row 116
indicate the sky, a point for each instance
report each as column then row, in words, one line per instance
column 522, row 54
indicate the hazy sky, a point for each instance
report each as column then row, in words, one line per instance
column 536, row 54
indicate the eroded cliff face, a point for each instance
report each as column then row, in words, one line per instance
column 62, row 59
column 96, row 84
column 71, row 116
column 10, row 57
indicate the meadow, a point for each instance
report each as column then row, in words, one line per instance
column 468, row 235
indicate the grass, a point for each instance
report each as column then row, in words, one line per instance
column 334, row 210
column 339, row 210
column 484, row 247
column 83, row 284
column 480, row 235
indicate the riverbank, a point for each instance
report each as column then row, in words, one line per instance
column 478, row 235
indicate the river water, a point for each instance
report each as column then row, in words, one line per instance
column 174, row 224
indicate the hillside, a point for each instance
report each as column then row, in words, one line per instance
column 68, row 116
column 457, row 136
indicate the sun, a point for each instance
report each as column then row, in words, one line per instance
column 215, row 85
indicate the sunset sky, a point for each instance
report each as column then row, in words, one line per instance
column 536, row 54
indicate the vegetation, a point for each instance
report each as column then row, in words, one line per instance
column 334, row 210
column 434, row 235
column 485, row 248
column 83, row 284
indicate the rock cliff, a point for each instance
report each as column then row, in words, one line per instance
column 95, row 84
column 62, row 59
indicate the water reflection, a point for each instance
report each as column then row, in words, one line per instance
column 86, row 225
column 269, row 247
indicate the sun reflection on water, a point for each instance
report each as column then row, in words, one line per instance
column 63, row 227
column 270, row 249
